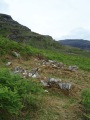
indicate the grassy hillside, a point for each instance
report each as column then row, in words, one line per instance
column 19, row 33
column 30, row 102
column 24, row 97
column 7, row 46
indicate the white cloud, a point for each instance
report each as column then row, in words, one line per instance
column 54, row 17
column 78, row 33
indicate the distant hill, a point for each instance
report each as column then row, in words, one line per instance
column 79, row 43
column 14, row 31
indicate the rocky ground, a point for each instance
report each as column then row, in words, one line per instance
column 62, row 84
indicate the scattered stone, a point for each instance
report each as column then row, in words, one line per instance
column 60, row 65
column 8, row 63
column 53, row 80
column 34, row 70
column 18, row 69
column 36, row 75
column 16, row 54
column 45, row 84
column 73, row 68
column 30, row 74
column 53, row 64
column 46, row 91
column 26, row 73
column 65, row 86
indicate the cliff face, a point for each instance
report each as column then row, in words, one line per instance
column 4, row 17
column 15, row 31
column 10, row 28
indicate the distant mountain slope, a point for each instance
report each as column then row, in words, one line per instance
column 19, row 33
column 79, row 43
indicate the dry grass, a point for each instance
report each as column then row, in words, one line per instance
column 56, row 105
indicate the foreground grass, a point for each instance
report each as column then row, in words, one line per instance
column 17, row 94
column 86, row 103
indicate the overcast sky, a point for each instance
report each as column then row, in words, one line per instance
column 57, row 18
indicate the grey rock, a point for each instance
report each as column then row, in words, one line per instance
column 73, row 68
column 51, row 61
column 53, row 64
column 53, row 80
column 46, row 91
column 25, row 73
column 18, row 69
column 8, row 63
column 36, row 75
column 65, row 86
column 30, row 74
column 16, row 54
column 34, row 70
column 60, row 65
column 45, row 84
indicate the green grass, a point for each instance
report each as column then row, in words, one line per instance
column 81, row 61
column 86, row 103
column 7, row 46
column 17, row 94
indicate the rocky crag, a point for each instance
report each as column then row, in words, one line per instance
column 14, row 31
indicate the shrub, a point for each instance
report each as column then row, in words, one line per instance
column 16, row 93
column 86, row 102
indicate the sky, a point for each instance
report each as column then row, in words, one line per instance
column 61, row 19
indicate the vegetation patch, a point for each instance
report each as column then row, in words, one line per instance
column 86, row 103
column 8, row 46
column 17, row 94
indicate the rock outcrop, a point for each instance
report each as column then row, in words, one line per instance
column 11, row 29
